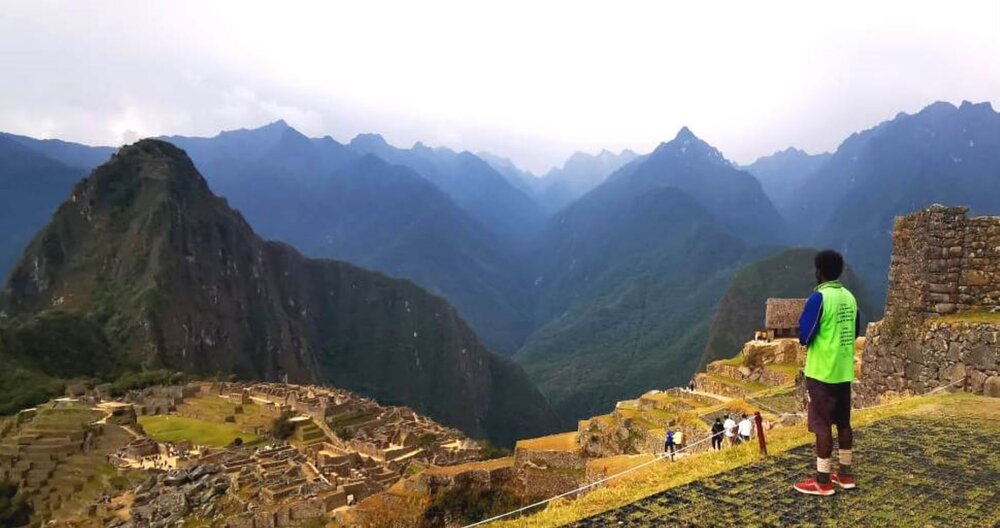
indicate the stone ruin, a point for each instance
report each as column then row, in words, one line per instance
column 940, row 325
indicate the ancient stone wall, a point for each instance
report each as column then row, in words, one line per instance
column 943, row 353
column 943, row 264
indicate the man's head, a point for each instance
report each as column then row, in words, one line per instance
column 829, row 265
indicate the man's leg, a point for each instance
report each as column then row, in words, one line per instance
column 820, row 410
column 845, row 436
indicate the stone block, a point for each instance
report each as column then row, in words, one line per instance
column 991, row 387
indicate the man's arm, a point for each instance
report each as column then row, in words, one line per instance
column 857, row 325
column 809, row 320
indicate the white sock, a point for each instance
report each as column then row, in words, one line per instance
column 823, row 464
column 846, row 457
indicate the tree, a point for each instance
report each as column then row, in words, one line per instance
column 14, row 509
column 282, row 428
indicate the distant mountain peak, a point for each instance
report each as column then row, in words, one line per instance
column 368, row 140
column 685, row 134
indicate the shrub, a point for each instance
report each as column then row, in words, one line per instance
column 282, row 428
column 14, row 509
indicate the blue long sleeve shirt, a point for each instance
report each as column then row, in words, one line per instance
column 811, row 314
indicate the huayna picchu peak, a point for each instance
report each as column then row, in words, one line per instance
column 176, row 279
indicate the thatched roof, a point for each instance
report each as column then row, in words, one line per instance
column 783, row 313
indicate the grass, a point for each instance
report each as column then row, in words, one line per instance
column 662, row 476
column 748, row 386
column 971, row 316
column 556, row 442
column 170, row 428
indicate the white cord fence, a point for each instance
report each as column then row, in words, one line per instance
column 661, row 457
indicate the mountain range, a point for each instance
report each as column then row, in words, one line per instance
column 150, row 270
column 627, row 279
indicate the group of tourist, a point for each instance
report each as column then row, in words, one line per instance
column 732, row 431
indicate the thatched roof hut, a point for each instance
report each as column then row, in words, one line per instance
column 782, row 316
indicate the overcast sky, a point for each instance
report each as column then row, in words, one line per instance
column 533, row 81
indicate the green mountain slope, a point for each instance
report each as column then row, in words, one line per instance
column 174, row 278
column 787, row 273
column 632, row 272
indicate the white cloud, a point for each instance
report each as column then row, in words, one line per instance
column 529, row 80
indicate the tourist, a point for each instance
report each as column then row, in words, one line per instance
column 668, row 444
column 745, row 429
column 679, row 439
column 828, row 326
column 729, row 425
column 717, row 430
column 691, row 385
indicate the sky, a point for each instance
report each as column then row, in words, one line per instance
column 530, row 80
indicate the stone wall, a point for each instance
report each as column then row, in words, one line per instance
column 941, row 353
column 943, row 264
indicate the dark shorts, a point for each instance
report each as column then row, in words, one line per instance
column 829, row 404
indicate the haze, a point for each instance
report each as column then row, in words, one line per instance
column 533, row 81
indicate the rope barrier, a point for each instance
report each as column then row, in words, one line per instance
column 661, row 457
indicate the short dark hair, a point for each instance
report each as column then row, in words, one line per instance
column 829, row 263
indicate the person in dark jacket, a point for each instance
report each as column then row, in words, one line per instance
column 717, row 430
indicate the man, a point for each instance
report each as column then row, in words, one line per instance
column 745, row 428
column 668, row 444
column 717, row 429
column 730, row 427
column 828, row 327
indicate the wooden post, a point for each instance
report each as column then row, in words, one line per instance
column 761, row 441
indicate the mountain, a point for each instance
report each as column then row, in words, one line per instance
column 328, row 200
column 144, row 258
column 581, row 173
column 387, row 217
column 31, row 186
column 631, row 273
column 783, row 174
column 471, row 182
column 72, row 154
column 785, row 274
column 523, row 180
column 942, row 154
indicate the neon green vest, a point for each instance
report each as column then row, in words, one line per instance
column 831, row 353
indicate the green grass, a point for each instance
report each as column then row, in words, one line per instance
column 972, row 316
column 169, row 428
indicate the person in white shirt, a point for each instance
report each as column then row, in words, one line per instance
column 745, row 429
column 729, row 426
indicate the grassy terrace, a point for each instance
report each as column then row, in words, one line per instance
column 171, row 428
column 899, row 492
column 748, row 386
column 969, row 317
column 556, row 442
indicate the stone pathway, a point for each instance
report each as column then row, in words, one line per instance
column 923, row 471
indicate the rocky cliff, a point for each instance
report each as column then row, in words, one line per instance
column 176, row 279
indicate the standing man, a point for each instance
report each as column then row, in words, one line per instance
column 668, row 444
column 730, row 430
column 745, row 428
column 717, row 434
column 828, row 327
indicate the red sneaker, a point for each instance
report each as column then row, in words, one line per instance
column 811, row 487
column 844, row 481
